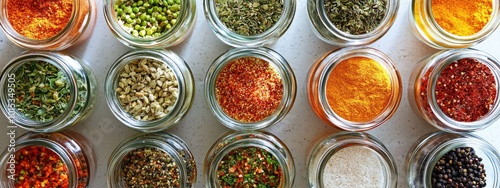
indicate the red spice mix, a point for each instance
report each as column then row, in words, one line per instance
column 465, row 90
column 39, row 19
column 249, row 89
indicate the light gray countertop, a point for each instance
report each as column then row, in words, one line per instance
column 298, row 130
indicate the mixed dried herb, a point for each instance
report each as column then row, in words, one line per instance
column 356, row 17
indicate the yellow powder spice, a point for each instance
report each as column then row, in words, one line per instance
column 463, row 18
column 358, row 89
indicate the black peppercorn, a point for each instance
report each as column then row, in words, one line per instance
column 460, row 167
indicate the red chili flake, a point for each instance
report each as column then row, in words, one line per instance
column 38, row 166
column 248, row 89
column 465, row 90
column 249, row 167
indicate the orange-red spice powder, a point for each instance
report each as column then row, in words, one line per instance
column 249, row 89
column 39, row 19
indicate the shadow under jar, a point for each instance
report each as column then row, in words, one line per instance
column 351, row 23
column 163, row 160
column 63, row 159
column 250, row 89
column 149, row 90
column 443, row 159
column 253, row 23
column 248, row 159
column 355, row 88
column 150, row 23
column 349, row 159
column 456, row 90
column 453, row 23
column 47, row 91
column 47, row 25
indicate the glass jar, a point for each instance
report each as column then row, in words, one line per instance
column 81, row 88
column 276, row 63
column 263, row 38
column 426, row 28
column 428, row 150
column 178, row 108
column 73, row 150
column 317, row 87
column 179, row 31
column 362, row 147
column 166, row 143
column 424, row 81
column 233, row 140
column 79, row 27
column 328, row 32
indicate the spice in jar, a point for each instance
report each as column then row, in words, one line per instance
column 39, row 20
column 460, row 167
column 148, row 18
column 38, row 166
column 149, row 167
column 249, row 17
column 463, row 18
column 356, row 17
column 249, row 89
column 42, row 91
column 147, row 89
column 249, row 167
column 465, row 90
column 353, row 166
column 358, row 89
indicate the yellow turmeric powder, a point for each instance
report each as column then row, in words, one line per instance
column 463, row 18
column 358, row 89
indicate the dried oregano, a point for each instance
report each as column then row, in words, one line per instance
column 356, row 17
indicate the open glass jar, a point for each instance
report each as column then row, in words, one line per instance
column 355, row 88
column 150, row 24
column 334, row 31
column 149, row 90
column 172, row 163
column 250, row 89
column 429, row 22
column 47, row 91
column 426, row 156
column 62, row 159
column 272, row 159
column 456, row 90
column 251, row 23
column 350, row 159
column 70, row 22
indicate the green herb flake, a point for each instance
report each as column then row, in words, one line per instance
column 356, row 17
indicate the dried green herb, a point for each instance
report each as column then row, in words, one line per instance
column 249, row 17
column 356, row 16
column 42, row 91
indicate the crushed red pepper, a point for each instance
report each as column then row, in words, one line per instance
column 249, row 167
column 39, row 19
column 249, row 89
column 38, row 166
column 465, row 90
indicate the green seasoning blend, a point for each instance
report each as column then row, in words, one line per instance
column 42, row 91
column 148, row 18
column 149, row 167
column 249, row 167
column 356, row 17
column 249, row 17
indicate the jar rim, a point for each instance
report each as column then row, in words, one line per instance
column 276, row 61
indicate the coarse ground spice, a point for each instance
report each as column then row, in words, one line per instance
column 358, row 89
column 249, row 167
column 465, row 91
column 249, row 89
column 460, row 167
column 463, row 18
column 36, row 19
column 149, row 167
column 354, row 166
column 38, row 166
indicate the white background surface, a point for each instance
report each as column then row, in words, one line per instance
column 298, row 130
